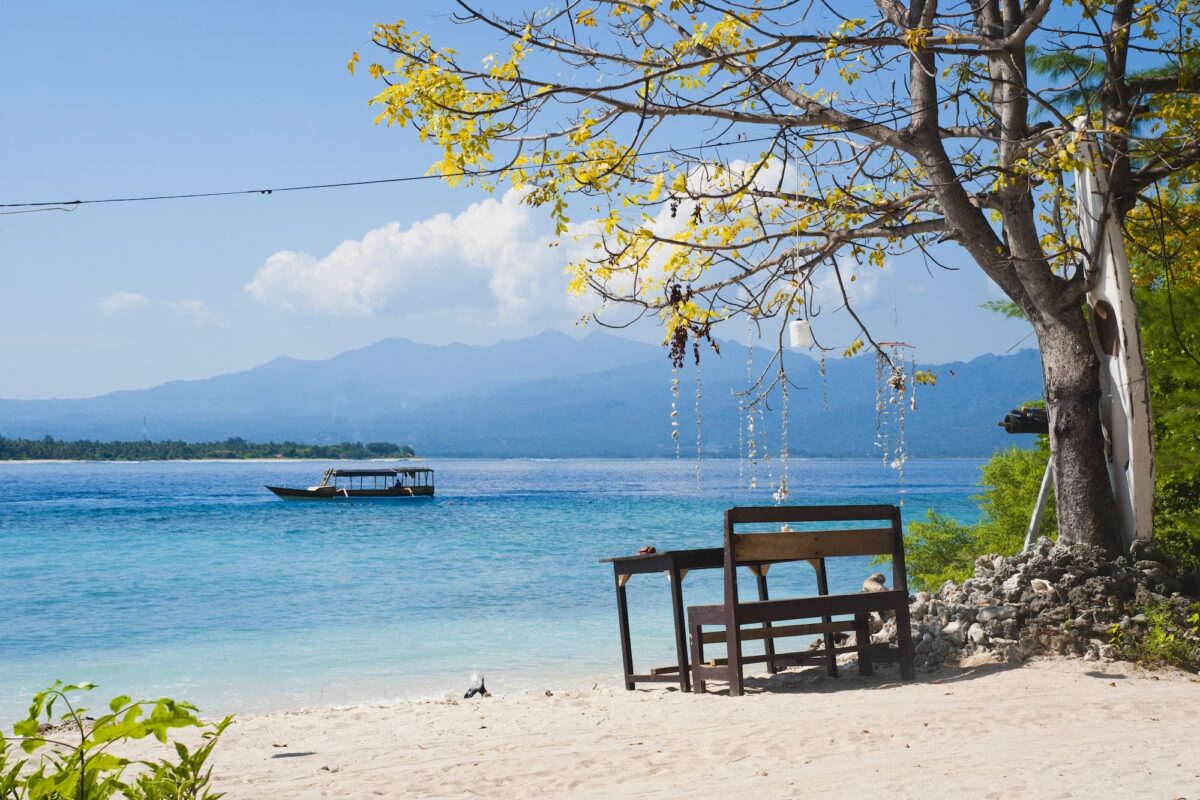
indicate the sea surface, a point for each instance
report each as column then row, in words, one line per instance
column 191, row 580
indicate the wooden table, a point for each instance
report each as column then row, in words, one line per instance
column 676, row 564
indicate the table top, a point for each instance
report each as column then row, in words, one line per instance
column 699, row 558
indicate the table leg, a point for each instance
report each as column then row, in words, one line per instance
column 623, row 619
column 681, row 647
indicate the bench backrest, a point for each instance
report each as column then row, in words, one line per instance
column 746, row 548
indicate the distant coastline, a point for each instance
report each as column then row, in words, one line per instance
column 51, row 450
column 8, row 461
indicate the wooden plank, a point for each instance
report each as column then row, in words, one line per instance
column 745, row 514
column 785, row 659
column 669, row 678
column 807, row 607
column 805, row 545
column 782, row 632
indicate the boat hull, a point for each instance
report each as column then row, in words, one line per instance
column 330, row 493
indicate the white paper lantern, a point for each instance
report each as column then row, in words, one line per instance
column 801, row 334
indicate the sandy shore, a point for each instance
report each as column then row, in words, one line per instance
column 1045, row 729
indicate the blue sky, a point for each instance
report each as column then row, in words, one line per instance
column 130, row 98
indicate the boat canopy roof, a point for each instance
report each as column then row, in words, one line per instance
column 380, row 473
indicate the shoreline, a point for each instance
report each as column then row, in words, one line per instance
column 1048, row 727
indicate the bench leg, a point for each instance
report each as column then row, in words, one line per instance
column 768, row 641
column 697, row 634
column 823, row 588
column 830, row 657
column 733, row 653
column 904, row 641
column 862, row 642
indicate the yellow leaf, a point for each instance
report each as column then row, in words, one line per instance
column 353, row 60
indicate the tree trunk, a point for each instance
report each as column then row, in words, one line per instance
column 1087, row 513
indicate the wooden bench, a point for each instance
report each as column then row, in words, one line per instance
column 816, row 547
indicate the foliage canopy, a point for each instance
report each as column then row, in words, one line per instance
column 721, row 151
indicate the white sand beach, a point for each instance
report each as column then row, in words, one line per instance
column 1045, row 729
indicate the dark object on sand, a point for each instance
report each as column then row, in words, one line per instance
column 477, row 687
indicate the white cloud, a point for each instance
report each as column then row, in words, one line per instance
column 861, row 283
column 197, row 313
column 493, row 260
column 122, row 301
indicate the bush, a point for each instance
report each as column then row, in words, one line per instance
column 73, row 759
column 1163, row 635
column 1172, row 343
column 940, row 548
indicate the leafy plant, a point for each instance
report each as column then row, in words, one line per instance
column 1169, row 636
column 941, row 548
column 1172, row 351
column 73, row 750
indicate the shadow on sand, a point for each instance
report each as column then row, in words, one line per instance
column 887, row 676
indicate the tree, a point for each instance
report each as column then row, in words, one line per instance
column 827, row 131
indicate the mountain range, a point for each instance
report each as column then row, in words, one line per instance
column 545, row 396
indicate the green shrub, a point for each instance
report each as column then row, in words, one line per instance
column 1172, row 343
column 940, row 548
column 1169, row 637
column 73, row 758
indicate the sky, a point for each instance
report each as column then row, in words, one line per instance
column 131, row 98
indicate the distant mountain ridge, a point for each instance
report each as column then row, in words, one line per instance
column 545, row 396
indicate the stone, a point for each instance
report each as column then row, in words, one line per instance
column 1007, row 650
column 1047, row 601
column 1012, row 587
column 995, row 612
column 1160, row 577
column 954, row 633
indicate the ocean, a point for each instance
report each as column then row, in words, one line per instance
column 191, row 580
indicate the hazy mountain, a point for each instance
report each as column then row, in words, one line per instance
column 549, row 395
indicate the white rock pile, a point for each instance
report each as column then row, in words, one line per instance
column 1047, row 601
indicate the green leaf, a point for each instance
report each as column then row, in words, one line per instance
column 118, row 702
column 1005, row 308
column 77, row 687
column 26, row 727
column 31, row 744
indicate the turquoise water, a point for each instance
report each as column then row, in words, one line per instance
column 191, row 580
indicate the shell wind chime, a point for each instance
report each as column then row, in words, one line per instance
column 895, row 395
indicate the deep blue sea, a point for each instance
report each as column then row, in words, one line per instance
column 191, row 580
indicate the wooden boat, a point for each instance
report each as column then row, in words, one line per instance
column 377, row 484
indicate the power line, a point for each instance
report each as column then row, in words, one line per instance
column 66, row 205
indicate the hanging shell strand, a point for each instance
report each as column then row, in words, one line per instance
column 781, row 494
column 675, row 409
column 699, row 441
